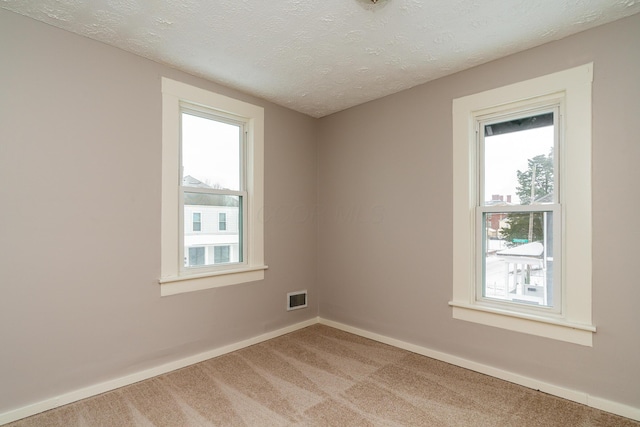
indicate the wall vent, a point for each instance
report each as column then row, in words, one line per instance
column 296, row 300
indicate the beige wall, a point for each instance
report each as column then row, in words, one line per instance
column 80, row 219
column 80, row 147
column 389, row 269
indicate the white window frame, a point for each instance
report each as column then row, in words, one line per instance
column 173, row 278
column 240, row 193
column 220, row 215
column 553, row 104
column 572, row 321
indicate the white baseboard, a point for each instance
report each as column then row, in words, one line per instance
column 73, row 396
column 103, row 387
column 565, row 393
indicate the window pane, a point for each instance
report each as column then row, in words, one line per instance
column 210, row 153
column 211, row 207
column 221, row 254
column 196, row 221
column 196, row 256
column 517, row 152
column 518, row 257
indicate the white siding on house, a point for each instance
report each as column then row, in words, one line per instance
column 210, row 235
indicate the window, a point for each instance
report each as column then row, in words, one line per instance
column 517, row 153
column 197, row 224
column 522, row 207
column 221, row 254
column 212, row 164
column 212, row 168
column 196, row 256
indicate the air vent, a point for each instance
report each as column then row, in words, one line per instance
column 296, row 300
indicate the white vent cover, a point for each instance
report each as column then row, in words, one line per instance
column 296, row 300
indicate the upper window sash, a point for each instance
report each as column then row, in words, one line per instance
column 550, row 104
column 221, row 117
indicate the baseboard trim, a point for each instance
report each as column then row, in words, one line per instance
column 565, row 393
column 94, row 390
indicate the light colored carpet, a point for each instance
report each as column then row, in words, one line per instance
column 321, row 376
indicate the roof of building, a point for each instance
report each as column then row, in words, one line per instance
column 206, row 199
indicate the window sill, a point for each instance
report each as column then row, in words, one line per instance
column 557, row 329
column 214, row 279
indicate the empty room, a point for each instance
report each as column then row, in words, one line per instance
column 345, row 212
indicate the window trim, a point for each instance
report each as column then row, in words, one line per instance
column 172, row 279
column 574, row 323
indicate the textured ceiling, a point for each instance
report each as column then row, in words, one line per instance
column 319, row 57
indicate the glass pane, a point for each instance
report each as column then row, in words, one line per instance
column 516, row 153
column 196, row 256
column 221, row 254
column 210, row 153
column 196, row 222
column 219, row 245
column 518, row 257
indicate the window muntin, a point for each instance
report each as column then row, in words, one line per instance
column 212, row 158
column 515, row 218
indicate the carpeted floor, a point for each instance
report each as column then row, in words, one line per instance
column 320, row 376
